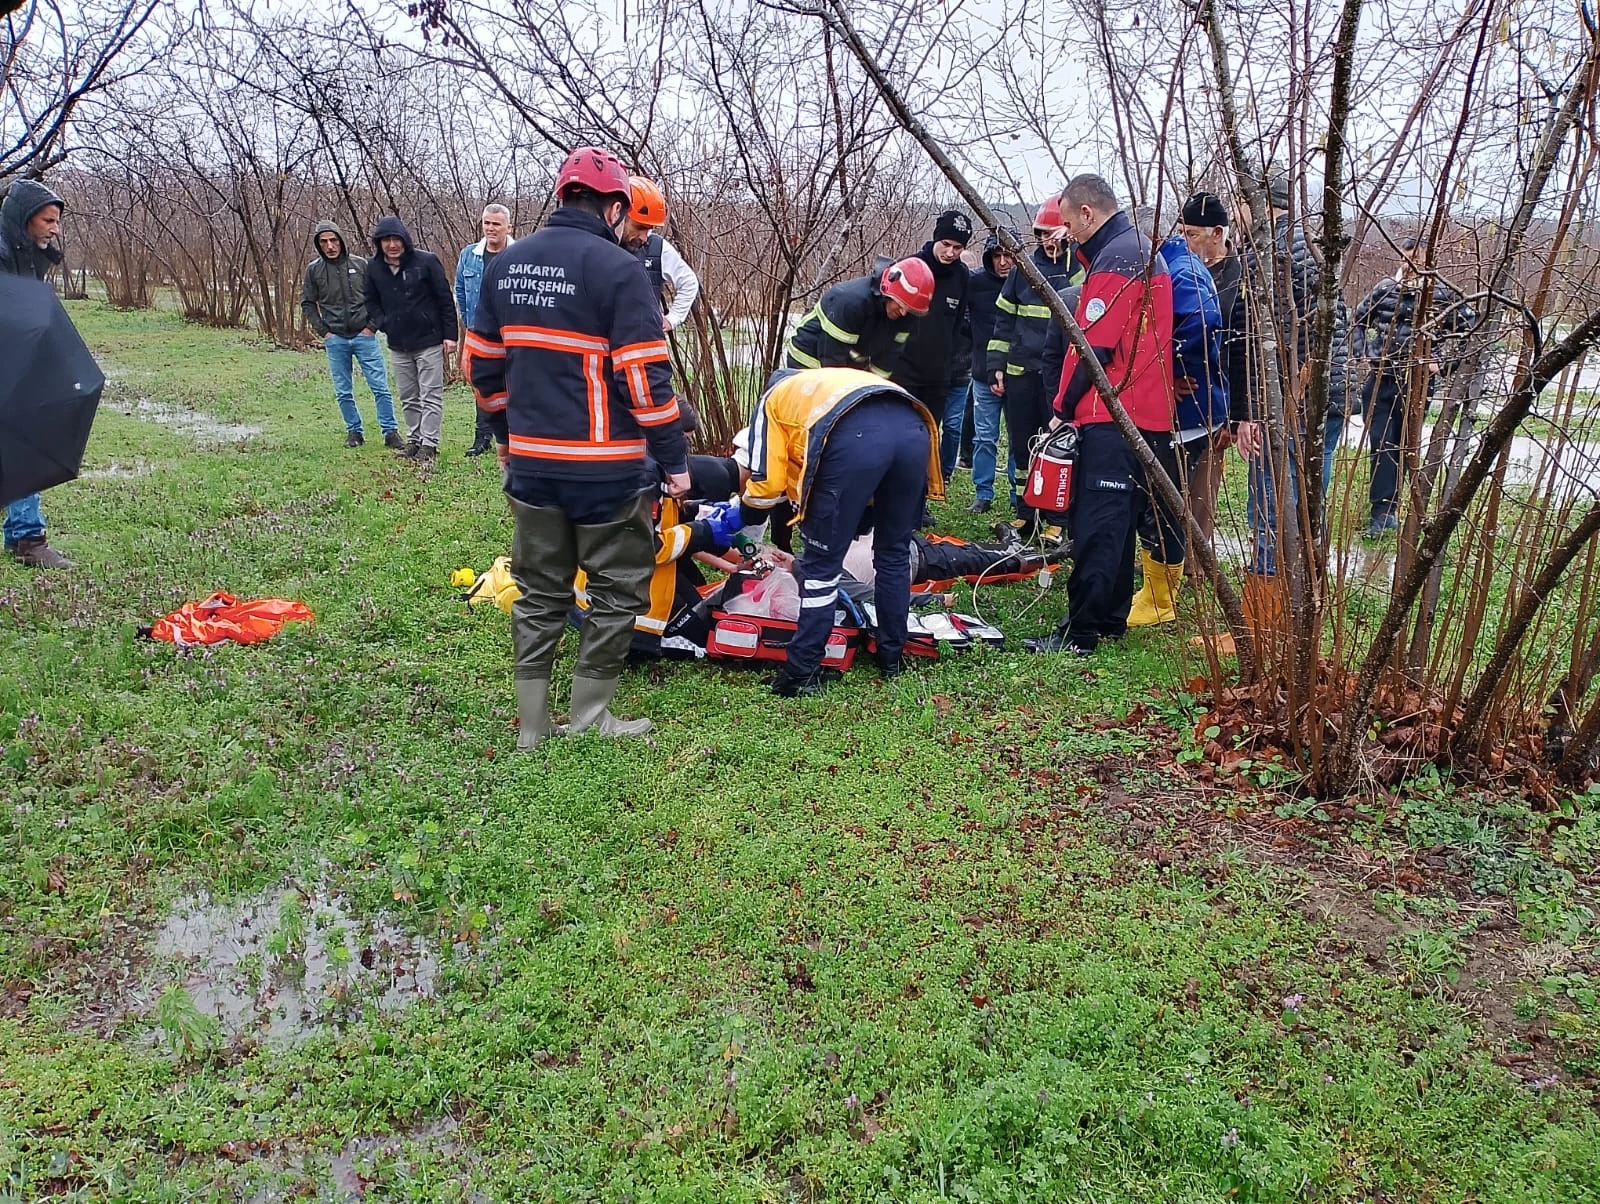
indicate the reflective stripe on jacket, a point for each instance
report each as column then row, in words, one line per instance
column 849, row 328
column 790, row 429
column 568, row 358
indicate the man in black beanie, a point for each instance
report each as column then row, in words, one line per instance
column 935, row 363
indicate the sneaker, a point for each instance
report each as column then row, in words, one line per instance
column 1050, row 535
column 392, row 439
column 1380, row 526
column 963, row 465
column 425, row 455
column 36, row 553
column 410, row 451
column 981, row 506
column 354, row 439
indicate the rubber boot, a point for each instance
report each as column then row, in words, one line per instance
column 533, row 712
column 591, row 696
column 1154, row 603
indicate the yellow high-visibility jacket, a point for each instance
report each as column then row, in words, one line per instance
column 792, row 423
column 668, row 586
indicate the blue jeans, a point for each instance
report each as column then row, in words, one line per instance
column 24, row 520
column 1263, row 502
column 362, row 348
column 955, row 412
column 987, row 408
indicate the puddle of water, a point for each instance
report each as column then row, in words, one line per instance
column 363, row 1163
column 116, row 471
column 279, row 965
column 200, row 426
column 1568, row 466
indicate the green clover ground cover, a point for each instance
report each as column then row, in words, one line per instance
column 880, row 945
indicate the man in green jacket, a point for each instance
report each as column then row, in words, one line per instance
column 334, row 302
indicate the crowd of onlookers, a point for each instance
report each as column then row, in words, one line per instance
column 562, row 336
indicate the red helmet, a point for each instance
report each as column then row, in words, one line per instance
column 1049, row 215
column 594, row 168
column 909, row 282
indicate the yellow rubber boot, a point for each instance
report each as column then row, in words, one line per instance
column 1154, row 602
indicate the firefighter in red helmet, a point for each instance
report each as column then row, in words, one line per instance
column 569, row 362
column 864, row 323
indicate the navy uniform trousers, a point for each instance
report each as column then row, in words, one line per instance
column 874, row 471
column 1109, row 493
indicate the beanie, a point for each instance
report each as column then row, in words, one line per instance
column 954, row 225
column 1205, row 209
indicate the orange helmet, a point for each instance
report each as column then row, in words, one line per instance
column 649, row 205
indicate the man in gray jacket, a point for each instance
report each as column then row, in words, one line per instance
column 334, row 302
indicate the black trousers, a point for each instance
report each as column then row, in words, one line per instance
column 1162, row 531
column 933, row 398
column 1385, row 413
column 1027, row 412
column 1109, row 493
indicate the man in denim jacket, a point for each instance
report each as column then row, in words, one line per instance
column 470, row 268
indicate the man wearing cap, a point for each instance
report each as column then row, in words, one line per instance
column 1016, row 351
column 933, row 362
column 1386, row 330
column 1204, row 227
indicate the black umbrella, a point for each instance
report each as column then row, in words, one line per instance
column 49, row 390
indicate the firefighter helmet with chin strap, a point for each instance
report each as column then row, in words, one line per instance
column 1049, row 215
column 595, row 169
column 910, row 282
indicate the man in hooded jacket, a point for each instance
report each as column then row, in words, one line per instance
column 409, row 299
column 334, row 301
column 30, row 219
column 984, row 406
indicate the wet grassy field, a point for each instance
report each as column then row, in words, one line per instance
column 296, row 921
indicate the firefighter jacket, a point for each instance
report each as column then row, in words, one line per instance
column 849, row 328
column 1022, row 319
column 790, row 429
column 568, row 358
column 1125, row 309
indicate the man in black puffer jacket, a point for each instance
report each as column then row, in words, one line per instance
column 409, row 299
column 30, row 220
column 1299, row 277
column 933, row 361
column 1385, row 329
